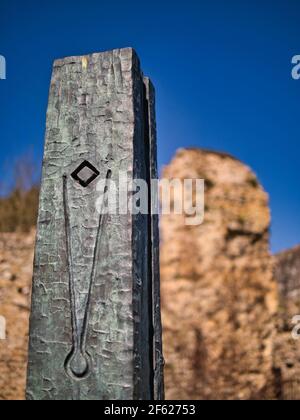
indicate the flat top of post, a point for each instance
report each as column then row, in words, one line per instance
column 128, row 52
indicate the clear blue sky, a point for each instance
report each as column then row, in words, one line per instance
column 222, row 70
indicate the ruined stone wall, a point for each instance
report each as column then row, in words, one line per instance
column 16, row 257
column 287, row 348
column 219, row 292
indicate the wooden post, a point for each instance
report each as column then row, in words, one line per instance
column 95, row 328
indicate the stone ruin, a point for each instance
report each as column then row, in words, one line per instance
column 228, row 305
column 287, row 349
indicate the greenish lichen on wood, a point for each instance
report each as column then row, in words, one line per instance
column 95, row 323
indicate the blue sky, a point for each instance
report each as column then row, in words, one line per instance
column 222, row 70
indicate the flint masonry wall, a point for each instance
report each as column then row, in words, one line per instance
column 218, row 289
column 16, row 259
column 287, row 349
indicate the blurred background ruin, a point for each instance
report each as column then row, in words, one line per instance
column 18, row 207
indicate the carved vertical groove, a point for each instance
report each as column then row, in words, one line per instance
column 159, row 393
column 78, row 362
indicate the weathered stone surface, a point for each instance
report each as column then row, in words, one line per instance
column 92, row 310
column 16, row 259
column 287, row 349
column 219, row 295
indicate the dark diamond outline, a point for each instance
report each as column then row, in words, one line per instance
column 76, row 177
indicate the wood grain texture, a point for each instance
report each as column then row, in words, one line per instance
column 91, row 337
column 159, row 393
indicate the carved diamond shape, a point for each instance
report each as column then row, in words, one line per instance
column 85, row 174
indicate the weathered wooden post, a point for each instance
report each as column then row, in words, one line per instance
column 95, row 323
